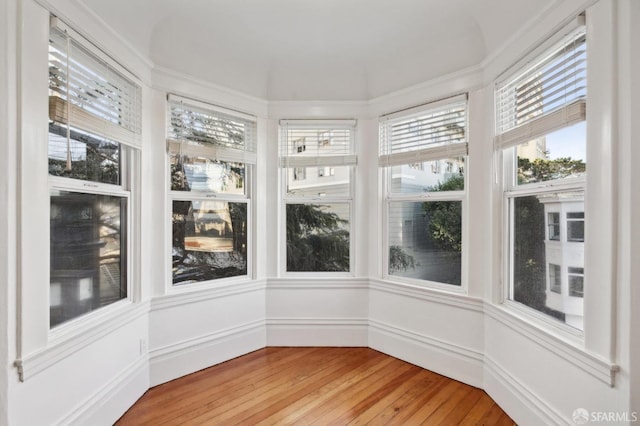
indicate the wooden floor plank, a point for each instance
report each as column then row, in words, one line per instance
column 318, row 373
column 254, row 392
column 316, row 401
column 478, row 411
column 322, row 386
column 365, row 392
column 383, row 404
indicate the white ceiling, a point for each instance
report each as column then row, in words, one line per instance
column 317, row 49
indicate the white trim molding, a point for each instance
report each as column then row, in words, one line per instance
column 429, row 294
column 189, row 295
column 309, row 283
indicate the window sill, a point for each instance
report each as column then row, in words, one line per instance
column 77, row 334
column 455, row 297
column 206, row 291
column 424, row 284
column 318, row 283
column 563, row 341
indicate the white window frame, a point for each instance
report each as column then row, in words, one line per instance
column 246, row 198
column 127, row 189
column 437, row 153
column 507, row 151
column 349, row 159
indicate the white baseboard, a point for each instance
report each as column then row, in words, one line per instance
column 317, row 332
column 114, row 397
column 456, row 362
column 522, row 405
column 186, row 357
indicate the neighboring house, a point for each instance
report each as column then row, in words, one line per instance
column 564, row 254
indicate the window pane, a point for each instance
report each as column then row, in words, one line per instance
column 576, row 282
column 199, row 174
column 555, row 278
column 83, row 156
column 557, row 155
column 530, row 253
column 88, row 253
column 425, row 240
column 209, row 240
column 318, row 181
column 575, row 226
column 317, row 237
column 554, row 226
column 438, row 175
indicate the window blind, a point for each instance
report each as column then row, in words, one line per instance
column 199, row 129
column 424, row 133
column 87, row 93
column 546, row 94
column 315, row 143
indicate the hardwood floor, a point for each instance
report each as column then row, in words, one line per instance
column 315, row 386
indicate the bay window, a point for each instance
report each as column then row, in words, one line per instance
column 422, row 155
column 317, row 164
column 541, row 132
column 211, row 155
column 94, row 136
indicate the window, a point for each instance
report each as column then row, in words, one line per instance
column 94, row 133
column 318, row 210
column 299, row 173
column 541, row 130
column 422, row 155
column 326, row 171
column 553, row 225
column 211, row 153
column 555, row 278
column 575, row 226
column 576, row 282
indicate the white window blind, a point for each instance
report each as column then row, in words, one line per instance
column 199, row 129
column 546, row 94
column 87, row 92
column 315, row 143
column 424, row 133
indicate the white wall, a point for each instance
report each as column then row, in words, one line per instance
column 538, row 376
column 628, row 314
column 8, row 19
